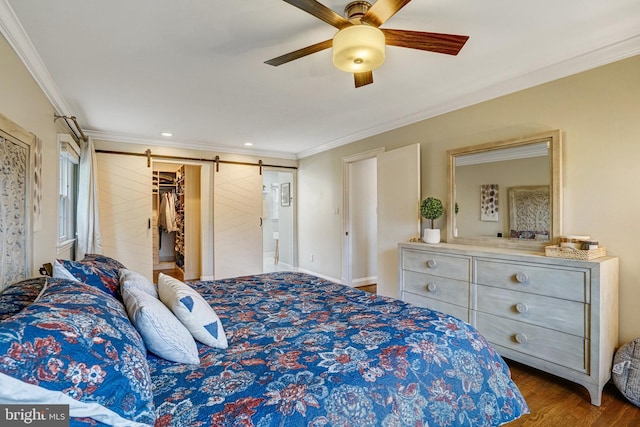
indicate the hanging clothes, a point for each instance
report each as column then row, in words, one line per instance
column 167, row 214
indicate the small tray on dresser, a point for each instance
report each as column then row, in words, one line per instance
column 573, row 253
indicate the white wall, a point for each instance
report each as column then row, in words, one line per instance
column 597, row 112
column 363, row 220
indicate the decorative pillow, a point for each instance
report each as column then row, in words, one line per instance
column 101, row 275
column 529, row 235
column 102, row 259
column 76, row 345
column 19, row 295
column 626, row 371
column 161, row 331
column 192, row 310
column 132, row 280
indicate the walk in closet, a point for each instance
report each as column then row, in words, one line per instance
column 176, row 219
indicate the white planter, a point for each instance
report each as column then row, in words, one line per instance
column 431, row 235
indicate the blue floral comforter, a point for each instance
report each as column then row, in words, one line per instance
column 308, row 352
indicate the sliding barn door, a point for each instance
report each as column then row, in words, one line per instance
column 237, row 211
column 124, row 183
column 398, row 210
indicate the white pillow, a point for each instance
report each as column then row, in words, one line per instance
column 130, row 279
column 161, row 331
column 59, row 272
column 192, row 310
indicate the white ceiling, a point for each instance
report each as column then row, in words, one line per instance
column 129, row 70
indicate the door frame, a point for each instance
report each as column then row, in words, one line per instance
column 347, row 278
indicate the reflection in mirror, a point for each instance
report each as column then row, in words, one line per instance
column 506, row 193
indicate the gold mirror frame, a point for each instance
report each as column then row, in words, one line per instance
column 555, row 162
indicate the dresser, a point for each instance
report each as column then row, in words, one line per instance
column 557, row 315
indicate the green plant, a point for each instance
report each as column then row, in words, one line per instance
column 431, row 209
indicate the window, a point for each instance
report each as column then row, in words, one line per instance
column 67, row 190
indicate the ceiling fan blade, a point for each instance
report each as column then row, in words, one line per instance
column 288, row 57
column 363, row 79
column 449, row 44
column 321, row 12
column 382, row 10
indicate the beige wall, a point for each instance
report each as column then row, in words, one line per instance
column 598, row 112
column 23, row 102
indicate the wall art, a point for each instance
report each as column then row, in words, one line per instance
column 489, row 208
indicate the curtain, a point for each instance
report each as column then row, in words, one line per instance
column 88, row 216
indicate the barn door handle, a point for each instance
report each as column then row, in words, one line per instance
column 260, row 222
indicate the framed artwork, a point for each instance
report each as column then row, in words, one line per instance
column 529, row 212
column 489, row 202
column 16, row 209
column 285, row 194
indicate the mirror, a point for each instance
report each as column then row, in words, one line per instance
column 506, row 193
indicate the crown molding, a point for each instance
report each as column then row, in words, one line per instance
column 186, row 145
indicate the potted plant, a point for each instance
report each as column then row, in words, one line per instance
column 431, row 209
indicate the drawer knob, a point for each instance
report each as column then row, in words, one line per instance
column 522, row 277
column 431, row 287
column 521, row 338
column 521, row 308
column 431, row 263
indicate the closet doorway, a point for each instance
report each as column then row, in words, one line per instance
column 176, row 220
column 396, row 216
column 278, row 219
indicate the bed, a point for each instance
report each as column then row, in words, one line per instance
column 302, row 351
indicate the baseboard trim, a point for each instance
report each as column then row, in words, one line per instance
column 322, row 276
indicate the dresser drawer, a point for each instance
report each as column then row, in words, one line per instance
column 434, row 304
column 553, row 346
column 552, row 313
column 453, row 267
column 570, row 284
column 440, row 288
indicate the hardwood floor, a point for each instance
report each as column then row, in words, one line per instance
column 555, row 402
column 368, row 288
column 173, row 272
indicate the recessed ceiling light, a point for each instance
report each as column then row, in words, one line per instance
column 249, row 144
column 166, row 134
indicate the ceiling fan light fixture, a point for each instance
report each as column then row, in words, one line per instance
column 358, row 48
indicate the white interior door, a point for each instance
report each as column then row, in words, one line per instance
column 124, row 183
column 398, row 210
column 237, row 211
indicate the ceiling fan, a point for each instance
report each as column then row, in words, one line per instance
column 359, row 45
